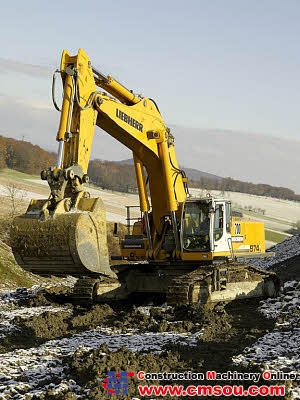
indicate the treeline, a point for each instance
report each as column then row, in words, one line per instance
column 121, row 177
column 113, row 176
column 233, row 185
column 24, row 156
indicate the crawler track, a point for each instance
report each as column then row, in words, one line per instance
column 185, row 289
column 84, row 291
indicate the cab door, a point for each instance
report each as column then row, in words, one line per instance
column 221, row 237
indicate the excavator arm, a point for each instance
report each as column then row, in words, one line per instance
column 68, row 229
column 134, row 121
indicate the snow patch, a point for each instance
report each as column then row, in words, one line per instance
column 278, row 350
column 32, row 370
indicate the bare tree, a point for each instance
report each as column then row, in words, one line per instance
column 16, row 196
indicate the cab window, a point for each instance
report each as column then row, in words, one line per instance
column 196, row 227
column 218, row 221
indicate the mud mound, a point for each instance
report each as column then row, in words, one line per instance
column 42, row 320
column 36, row 329
column 192, row 318
column 46, row 325
column 38, row 295
column 37, row 300
column 90, row 370
column 99, row 314
column 143, row 319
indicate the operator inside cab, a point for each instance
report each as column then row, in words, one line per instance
column 196, row 226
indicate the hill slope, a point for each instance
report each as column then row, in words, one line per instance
column 244, row 156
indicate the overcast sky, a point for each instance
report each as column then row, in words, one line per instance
column 215, row 64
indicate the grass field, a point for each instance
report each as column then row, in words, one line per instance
column 275, row 237
column 279, row 216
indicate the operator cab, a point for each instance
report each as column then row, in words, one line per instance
column 205, row 226
column 196, row 226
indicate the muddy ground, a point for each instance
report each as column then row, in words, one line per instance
column 51, row 349
column 225, row 334
column 217, row 337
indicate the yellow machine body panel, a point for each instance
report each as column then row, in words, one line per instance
column 247, row 236
column 224, row 237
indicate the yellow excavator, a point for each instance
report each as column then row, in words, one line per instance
column 184, row 248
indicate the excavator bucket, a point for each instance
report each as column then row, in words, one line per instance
column 66, row 243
